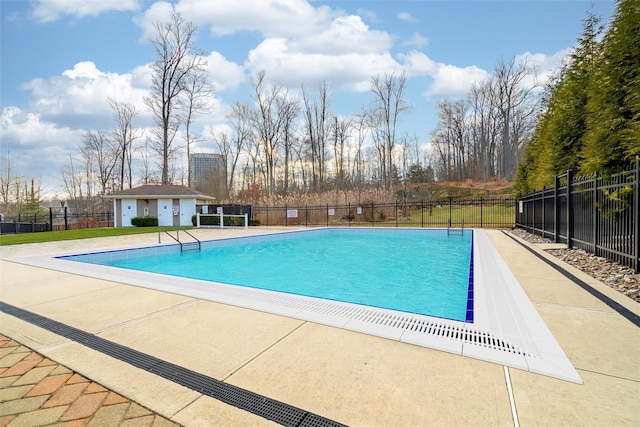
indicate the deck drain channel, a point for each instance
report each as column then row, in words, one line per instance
column 333, row 313
column 257, row 404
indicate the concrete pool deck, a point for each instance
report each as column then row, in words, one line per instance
column 344, row 376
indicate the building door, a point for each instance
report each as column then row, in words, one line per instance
column 187, row 210
column 128, row 211
column 165, row 213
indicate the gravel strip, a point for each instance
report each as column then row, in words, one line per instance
column 612, row 274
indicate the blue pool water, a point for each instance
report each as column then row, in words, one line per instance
column 419, row 271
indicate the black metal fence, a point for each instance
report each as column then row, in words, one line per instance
column 599, row 215
column 480, row 212
column 55, row 221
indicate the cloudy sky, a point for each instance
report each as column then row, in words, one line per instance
column 61, row 59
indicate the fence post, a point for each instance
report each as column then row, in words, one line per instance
column 422, row 213
column 349, row 213
column 396, row 214
column 595, row 215
column 480, row 211
column 569, row 211
column 373, row 215
column 66, row 223
column 556, row 209
column 286, row 216
column 50, row 219
column 544, row 211
column 636, row 214
column 327, row 213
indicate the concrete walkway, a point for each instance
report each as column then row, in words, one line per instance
column 345, row 376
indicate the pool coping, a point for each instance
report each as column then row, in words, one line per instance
column 507, row 329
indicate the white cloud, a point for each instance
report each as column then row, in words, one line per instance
column 224, row 75
column 157, row 12
column 141, row 76
column 80, row 94
column 272, row 18
column 417, row 64
column 416, row 40
column 544, row 63
column 51, row 10
column 449, row 81
column 302, row 43
column 543, row 66
column 77, row 99
column 345, row 34
column 368, row 14
column 348, row 71
column 318, row 29
column 405, row 16
column 36, row 148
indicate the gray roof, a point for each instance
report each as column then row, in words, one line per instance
column 160, row 192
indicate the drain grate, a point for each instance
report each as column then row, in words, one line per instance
column 333, row 312
column 257, row 404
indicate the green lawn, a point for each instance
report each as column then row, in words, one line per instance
column 485, row 216
column 86, row 233
column 473, row 216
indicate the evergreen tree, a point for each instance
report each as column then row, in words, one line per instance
column 557, row 141
column 613, row 119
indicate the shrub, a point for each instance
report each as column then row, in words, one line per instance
column 145, row 221
column 254, row 222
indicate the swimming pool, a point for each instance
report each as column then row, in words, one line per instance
column 421, row 271
column 506, row 328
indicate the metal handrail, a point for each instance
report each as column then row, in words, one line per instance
column 177, row 239
column 450, row 229
column 194, row 238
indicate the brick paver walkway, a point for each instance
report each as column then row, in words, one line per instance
column 35, row 391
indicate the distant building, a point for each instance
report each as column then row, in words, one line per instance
column 208, row 174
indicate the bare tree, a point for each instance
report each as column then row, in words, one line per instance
column 288, row 108
column 145, row 163
column 357, row 172
column 451, row 139
column 405, row 153
column 511, row 96
column 176, row 60
column 268, row 122
column 232, row 145
column 389, row 104
column 374, row 120
column 196, row 101
column 484, row 127
column 73, row 184
column 124, row 134
column 317, row 123
column 341, row 136
column 6, row 181
column 100, row 156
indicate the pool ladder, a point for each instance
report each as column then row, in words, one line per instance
column 184, row 246
column 457, row 231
